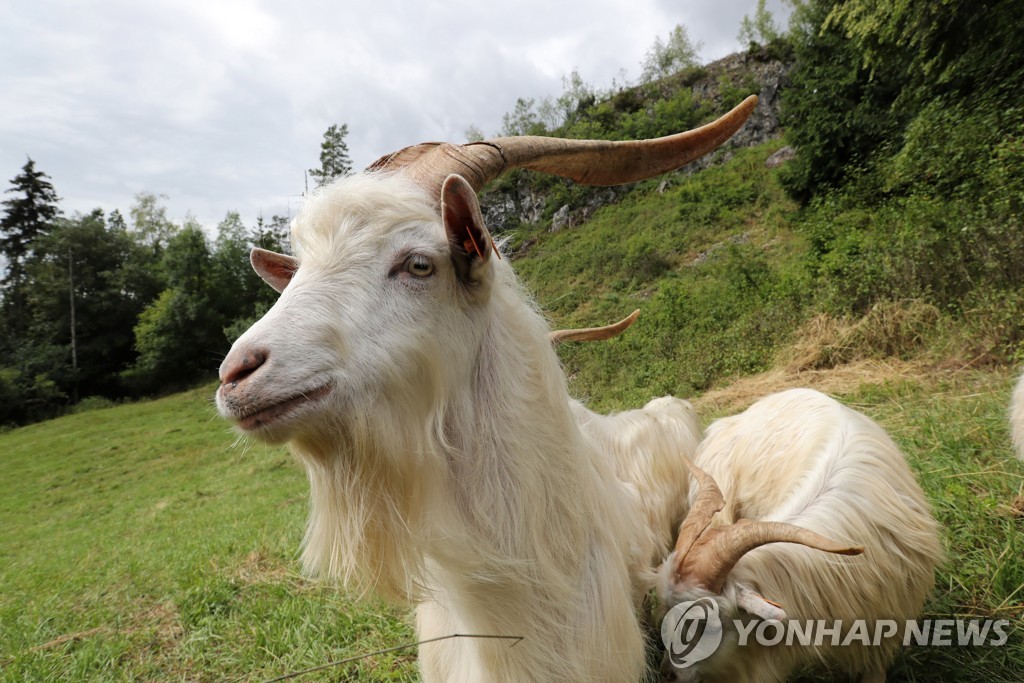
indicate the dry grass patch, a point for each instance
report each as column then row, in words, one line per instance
column 845, row 379
column 889, row 330
column 260, row 567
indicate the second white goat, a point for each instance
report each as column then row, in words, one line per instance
column 819, row 477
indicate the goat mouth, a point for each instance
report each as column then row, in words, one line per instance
column 279, row 409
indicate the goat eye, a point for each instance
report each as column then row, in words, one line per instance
column 420, row 266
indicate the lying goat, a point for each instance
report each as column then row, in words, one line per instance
column 811, row 470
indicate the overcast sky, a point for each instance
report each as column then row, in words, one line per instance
column 221, row 104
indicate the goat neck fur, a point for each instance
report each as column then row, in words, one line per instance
column 650, row 448
column 1017, row 418
column 445, row 462
column 801, row 458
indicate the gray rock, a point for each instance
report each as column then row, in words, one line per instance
column 780, row 157
column 560, row 219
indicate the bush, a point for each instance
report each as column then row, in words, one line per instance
column 926, row 248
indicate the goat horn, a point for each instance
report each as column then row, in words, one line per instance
column 718, row 550
column 709, row 502
column 589, row 162
column 708, row 559
column 594, row 333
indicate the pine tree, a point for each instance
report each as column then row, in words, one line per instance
column 334, row 159
column 28, row 215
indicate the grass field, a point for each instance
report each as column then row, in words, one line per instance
column 140, row 543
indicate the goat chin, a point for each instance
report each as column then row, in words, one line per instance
column 802, row 458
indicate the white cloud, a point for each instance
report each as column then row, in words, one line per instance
column 221, row 104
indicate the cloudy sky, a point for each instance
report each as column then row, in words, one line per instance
column 221, row 104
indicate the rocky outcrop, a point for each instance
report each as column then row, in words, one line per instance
column 513, row 203
column 780, row 157
column 757, row 69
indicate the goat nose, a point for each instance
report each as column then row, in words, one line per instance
column 239, row 364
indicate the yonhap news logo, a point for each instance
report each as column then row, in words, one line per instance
column 691, row 631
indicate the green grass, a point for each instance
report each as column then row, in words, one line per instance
column 137, row 543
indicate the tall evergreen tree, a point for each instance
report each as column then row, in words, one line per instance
column 334, row 159
column 29, row 214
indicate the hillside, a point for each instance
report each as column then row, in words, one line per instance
column 142, row 542
column 683, row 100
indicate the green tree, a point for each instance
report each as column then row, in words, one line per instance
column 179, row 336
column 334, row 159
column 577, row 97
column 666, row 58
column 238, row 288
column 760, row 29
column 28, row 215
column 524, row 119
column 85, row 299
column 943, row 47
column 272, row 234
column 835, row 113
column 150, row 222
column 249, row 297
column 116, row 222
column 925, row 95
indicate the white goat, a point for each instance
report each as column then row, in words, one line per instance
column 1017, row 418
column 814, row 470
column 416, row 382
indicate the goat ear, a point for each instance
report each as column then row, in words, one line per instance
column 275, row 269
column 751, row 602
column 470, row 243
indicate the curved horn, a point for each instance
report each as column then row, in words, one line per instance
column 720, row 549
column 708, row 558
column 594, row 333
column 589, row 162
column 708, row 503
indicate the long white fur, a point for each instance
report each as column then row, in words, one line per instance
column 651, row 448
column 802, row 458
column 1017, row 418
column 447, row 468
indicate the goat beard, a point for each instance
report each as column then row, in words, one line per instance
column 369, row 478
